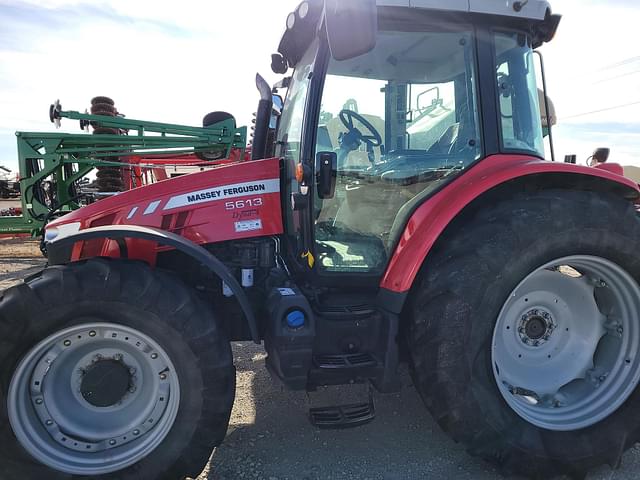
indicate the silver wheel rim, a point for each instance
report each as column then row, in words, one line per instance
column 58, row 419
column 565, row 345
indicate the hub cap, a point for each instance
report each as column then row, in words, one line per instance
column 566, row 343
column 93, row 399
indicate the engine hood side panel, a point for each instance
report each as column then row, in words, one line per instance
column 236, row 201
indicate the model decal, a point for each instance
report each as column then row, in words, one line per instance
column 246, row 214
column 224, row 191
column 238, row 204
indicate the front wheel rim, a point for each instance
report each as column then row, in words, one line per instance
column 68, row 418
column 565, row 344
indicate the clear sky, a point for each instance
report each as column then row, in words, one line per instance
column 176, row 61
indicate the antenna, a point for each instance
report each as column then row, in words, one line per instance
column 517, row 6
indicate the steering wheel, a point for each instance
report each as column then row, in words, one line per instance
column 373, row 139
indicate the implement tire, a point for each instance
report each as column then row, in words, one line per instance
column 138, row 380
column 505, row 313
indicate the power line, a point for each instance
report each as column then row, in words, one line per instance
column 633, row 72
column 601, row 110
column 621, row 63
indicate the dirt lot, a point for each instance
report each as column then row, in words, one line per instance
column 19, row 258
column 270, row 438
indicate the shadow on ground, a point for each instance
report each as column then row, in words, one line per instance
column 270, row 438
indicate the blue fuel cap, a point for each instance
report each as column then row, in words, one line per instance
column 295, row 319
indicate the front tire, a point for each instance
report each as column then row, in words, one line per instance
column 507, row 376
column 170, row 376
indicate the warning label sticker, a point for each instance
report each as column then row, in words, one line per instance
column 248, row 225
column 225, row 191
column 286, row 292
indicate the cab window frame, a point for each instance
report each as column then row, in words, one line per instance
column 503, row 147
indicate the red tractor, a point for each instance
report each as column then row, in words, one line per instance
column 397, row 208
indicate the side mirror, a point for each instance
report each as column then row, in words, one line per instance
column 276, row 110
column 351, row 27
column 601, row 155
column 326, row 168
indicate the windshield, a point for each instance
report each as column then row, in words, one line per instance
column 402, row 120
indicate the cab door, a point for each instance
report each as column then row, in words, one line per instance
column 400, row 121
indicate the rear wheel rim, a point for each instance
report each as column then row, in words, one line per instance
column 565, row 344
column 68, row 418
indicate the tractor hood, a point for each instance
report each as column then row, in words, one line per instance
column 240, row 200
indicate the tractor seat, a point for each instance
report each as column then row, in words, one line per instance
column 611, row 167
column 446, row 140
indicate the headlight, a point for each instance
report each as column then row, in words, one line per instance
column 60, row 231
column 50, row 234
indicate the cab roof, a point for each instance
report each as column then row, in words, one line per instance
column 304, row 24
column 531, row 9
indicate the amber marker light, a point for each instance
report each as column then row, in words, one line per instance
column 300, row 172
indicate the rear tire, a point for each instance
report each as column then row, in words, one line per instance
column 463, row 288
column 126, row 297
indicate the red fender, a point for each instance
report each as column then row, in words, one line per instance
column 429, row 221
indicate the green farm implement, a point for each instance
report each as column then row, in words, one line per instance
column 127, row 153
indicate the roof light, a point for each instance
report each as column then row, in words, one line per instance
column 291, row 20
column 303, row 10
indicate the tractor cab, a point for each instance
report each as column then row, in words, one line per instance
column 377, row 121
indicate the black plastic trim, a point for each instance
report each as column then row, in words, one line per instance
column 391, row 301
column 487, row 91
column 59, row 251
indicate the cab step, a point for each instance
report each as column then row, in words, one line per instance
column 342, row 361
column 343, row 416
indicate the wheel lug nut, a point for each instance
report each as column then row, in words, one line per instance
column 38, row 401
column 92, row 333
column 132, row 370
column 112, row 442
column 117, row 356
column 48, row 423
column 154, row 356
column 67, row 343
column 132, row 389
column 163, row 376
column 136, row 432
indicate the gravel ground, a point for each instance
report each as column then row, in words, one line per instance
column 19, row 258
column 270, row 437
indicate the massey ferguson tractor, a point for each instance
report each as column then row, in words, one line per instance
column 399, row 207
